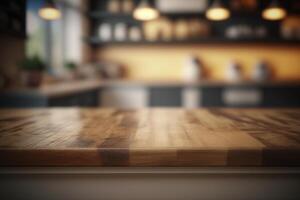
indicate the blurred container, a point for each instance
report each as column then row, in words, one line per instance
column 261, row 32
column 114, row 6
column 234, row 72
column 135, row 34
column 181, row 29
column 160, row 29
column 239, row 31
column 105, row 32
column 198, row 28
column 151, row 30
column 166, row 27
column 32, row 78
column 290, row 28
column 111, row 70
column 127, row 6
column 192, row 69
column 261, row 71
column 120, row 33
column 239, row 5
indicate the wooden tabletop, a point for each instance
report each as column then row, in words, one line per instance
column 150, row 137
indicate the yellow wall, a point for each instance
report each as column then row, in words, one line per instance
column 165, row 62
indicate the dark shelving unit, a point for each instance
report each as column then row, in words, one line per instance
column 98, row 14
column 272, row 41
column 13, row 18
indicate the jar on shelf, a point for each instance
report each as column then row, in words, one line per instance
column 127, row 6
column 105, row 32
column 181, row 29
column 120, row 33
column 135, row 34
column 114, row 6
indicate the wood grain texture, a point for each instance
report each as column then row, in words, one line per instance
column 150, row 137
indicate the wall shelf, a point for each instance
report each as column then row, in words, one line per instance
column 12, row 18
column 98, row 14
column 95, row 41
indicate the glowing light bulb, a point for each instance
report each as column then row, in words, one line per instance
column 217, row 12
column 49, row 11
column 274, row 13
column 145, row 12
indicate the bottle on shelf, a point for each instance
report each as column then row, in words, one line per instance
column 192, row 69
column 234, row 71
column 261, row 71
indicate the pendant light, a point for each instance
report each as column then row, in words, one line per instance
column 145, row 11
column 274, row 11
column 217, row 11
column 49, row 11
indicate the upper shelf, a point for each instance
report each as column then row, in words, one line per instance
column 247, row 15
column 270, row 41
column 250, row 18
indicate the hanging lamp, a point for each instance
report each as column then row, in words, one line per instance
column 145, row 11
column 217, row 11
column 49, row 11
column 274, row 11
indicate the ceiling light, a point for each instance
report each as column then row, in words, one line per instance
column 274, row 11
column 49, row 11
column 145, row 12
column 217, row 11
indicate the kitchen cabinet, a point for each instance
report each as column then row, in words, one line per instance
column 82, row 99
column 287, row 96
column 88, row 98
column 231, row 96
column 250, row 96
column 84, row 93
column 130, row 94
column 165, row 96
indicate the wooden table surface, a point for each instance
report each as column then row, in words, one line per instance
column 150, row 137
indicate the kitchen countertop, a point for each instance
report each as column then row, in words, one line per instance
column 150, row 137
column 56, row 89
column 200, row 83
column 71, row 87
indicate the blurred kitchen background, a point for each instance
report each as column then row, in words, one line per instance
column 150, row 53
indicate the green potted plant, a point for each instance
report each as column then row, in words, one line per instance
column 72, row 69
column 71, row 66
column 32, row 71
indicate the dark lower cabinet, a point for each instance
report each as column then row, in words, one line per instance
column 281, row 97
column 160, row 96
column 211, row 97
column 79, row 99
column 231, row 96
column 165, row 97
column 249, row 96
column 85, row 99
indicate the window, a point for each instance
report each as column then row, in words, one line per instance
column 56, row 42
